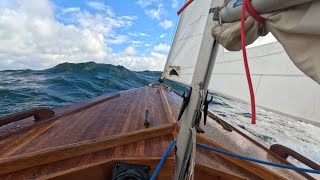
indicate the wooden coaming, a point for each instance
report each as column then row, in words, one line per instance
column 84, row 140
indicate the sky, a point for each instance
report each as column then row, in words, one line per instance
column 39, row 34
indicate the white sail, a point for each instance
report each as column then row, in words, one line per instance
column 278, row 84
column 186, row 45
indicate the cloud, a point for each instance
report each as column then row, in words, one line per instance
column 137, row 43
column 138, row 34
column 155, row 13
column 100, row 7
column 118, row 39
column 153, row 8
column 158, row 56
column 36, row 34
column 146, row 3
column 70, row 10
column 174, row 3
column 161, row 47
column 32, row 37
column 163, row 35
column 166, row 24
column 130, row 51
column 153, row 61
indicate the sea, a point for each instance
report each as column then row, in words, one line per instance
column 69, row 83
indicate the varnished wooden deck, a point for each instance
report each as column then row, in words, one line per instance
column 89, row 136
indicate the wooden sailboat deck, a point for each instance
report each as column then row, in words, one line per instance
column 117, row 115
column 84, row 140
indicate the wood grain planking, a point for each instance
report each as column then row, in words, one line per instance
column 48, row 138
column 204, row 172
column 103, row 170
column 214, row 161
column 132, row 112
column 29, row 123
column 26, row 137
column 38, row 172
column 89, row 123
column 69, row 151
column 166, row 106
column 239, row 143
column 175, row 102
column 116, row 120
column 149, row 148
column 253, row 168
column 137, row 114
column 14, row 140
column 29, row 139
column 95, row 158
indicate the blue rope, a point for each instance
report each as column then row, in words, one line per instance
column 259, row 161
column 155, row 173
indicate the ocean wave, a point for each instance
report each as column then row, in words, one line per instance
column 65, row 84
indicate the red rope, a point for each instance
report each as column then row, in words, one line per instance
column 184, row 6
column 247, row 6
column 253, row 13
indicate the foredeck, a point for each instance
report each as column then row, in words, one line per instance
column 120, row 114
column 91, row 135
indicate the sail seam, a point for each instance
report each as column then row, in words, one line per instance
column 250, row 57
column 190, row 37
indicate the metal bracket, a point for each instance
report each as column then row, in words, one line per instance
column 186, row 100
column 197, row 122
column 216, row 14
column 206, row 107
column 146, row 118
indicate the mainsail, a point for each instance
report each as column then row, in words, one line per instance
column 278, row 84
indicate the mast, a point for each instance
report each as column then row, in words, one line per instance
column 199, row 84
